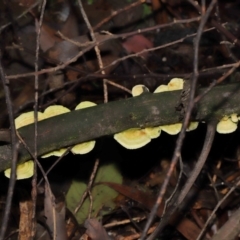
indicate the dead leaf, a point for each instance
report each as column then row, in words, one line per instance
column 55, row 215
column 185, row 226
column 26, row 216
column 95, row 230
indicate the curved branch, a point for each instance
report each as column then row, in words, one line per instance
column 107, row 119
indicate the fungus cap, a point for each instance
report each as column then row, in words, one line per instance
column 226, row 125
column 27, row 118
column 153, row 132
column 161, row 88
column 192, row 126
column 172, row 129
column 55, row 110
column 23, row 171
column 139, row 89
column 85, row 104
column 175, row 84
column 132, row 138
column 83, row 148
column 56, row 153
column 234, row 117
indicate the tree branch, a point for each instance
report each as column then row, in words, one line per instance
column 107, row 119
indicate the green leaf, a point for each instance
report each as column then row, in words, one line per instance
column 147, row 10
column 90, row 2
column 102, row 195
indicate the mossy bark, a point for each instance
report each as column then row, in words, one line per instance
column 106, row 119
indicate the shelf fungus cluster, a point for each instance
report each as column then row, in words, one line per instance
column 131, row 139
column 228, row 124
column 135, row 138
column 25, row 170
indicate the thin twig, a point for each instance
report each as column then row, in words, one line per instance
column 118, row 86
column 180, row 40
column 21, row 15
column 36, row 88
column 96, row 48
column 216, row 208
column 176, row 187
column 90, row 182
column 88, row 48
column 115, row 13
column 219, row 80
column 123, row 222
column 91, row 204
column 193, row 176
column 181, row 136
column 35, row 159
column 55, row 163
column 42, row 171
column 14, row 145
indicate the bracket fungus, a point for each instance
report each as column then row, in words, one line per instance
column 132, row 138
column 172, row 129
column 153, row 132
column 86, row 147
column 234, row 117
column 192, row 126
column 135, row 137
column 83, row 148
column 56, row 153
column 161, row 88
column 85, row 104
column 174, row 84
column 27, row 118
column 55, row 110
column 226, row 125
column 23, row 171
column 139, row 89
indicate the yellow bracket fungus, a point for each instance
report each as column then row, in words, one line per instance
column 139, row 89
column 153, row 132
column 172, row 129
column 226, row 125
column 27, row 118
column 85, row 104
column 85, row 147
column 56, row 153
column 55, row 110
column 234, row 117
column 161, row 88
column 192, row 126
column 136, row 138
column 23, row 171
column 132, row 138
column 174, row 84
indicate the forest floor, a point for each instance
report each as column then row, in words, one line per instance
column 64, row 52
